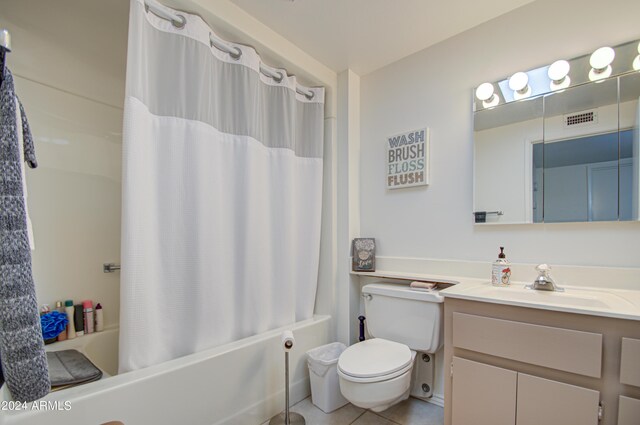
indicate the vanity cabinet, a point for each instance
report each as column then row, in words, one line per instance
column 496, row 396
column 516, row 365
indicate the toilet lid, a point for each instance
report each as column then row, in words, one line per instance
column 374, row 357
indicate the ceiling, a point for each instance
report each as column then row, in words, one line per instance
column 362, row 35
column 365, row 35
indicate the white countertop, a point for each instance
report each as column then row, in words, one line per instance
column 615, row 303
column 589, row 300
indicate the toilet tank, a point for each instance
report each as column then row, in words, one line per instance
column 408, row 316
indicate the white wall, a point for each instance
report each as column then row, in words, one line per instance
column 74, row 196
column 434, row 88
column 348, row 213
column 69, row 72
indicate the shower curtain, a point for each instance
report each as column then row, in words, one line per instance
column 222, row 186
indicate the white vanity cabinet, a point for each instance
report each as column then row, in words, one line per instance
column 513, row 365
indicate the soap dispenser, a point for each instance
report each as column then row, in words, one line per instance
column 501, row 271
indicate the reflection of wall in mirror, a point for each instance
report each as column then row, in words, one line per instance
column 635, row 214
column 588, row 191
column 555, row 129
column 502, row 178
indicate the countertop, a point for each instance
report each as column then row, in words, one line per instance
column 615, row 303
column 594, row 301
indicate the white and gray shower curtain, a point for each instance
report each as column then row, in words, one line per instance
column 222, row 187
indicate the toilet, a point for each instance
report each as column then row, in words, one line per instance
column 406, row 326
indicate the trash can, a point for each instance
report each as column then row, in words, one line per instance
column 323, row 370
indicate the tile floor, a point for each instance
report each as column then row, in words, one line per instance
column 410, row 412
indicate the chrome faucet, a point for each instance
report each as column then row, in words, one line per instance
column 544, row 282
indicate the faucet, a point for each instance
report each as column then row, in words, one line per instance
column 544, row 282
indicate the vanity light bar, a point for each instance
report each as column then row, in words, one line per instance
column 603, row 63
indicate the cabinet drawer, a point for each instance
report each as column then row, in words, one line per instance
column 556, row 348
column 542, row 401
column 628, row 411
column 630, row 362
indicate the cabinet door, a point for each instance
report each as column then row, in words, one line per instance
column 630, row 362
column 628, row 411
column 541, row 401
column 483, row 394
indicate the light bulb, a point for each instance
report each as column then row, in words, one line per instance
column 558, row 70
column 602, row 58
column 491, row 102
column 484, row 91
column 519, row 83
column 562, row 84
column 596, row 74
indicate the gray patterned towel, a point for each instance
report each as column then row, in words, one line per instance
column 69, row 368
column 24, row 363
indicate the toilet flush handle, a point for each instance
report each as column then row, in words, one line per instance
column 367, row 297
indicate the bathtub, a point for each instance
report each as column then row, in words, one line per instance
column 238, row 383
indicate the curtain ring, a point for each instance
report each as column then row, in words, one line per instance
column 278, row 80
column 310, row 96
column 181, row 23
column 236, row 56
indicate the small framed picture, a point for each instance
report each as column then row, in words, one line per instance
column 363, row 255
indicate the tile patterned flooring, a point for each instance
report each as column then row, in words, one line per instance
column 410, row 412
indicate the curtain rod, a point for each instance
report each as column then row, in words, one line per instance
column 180, row 21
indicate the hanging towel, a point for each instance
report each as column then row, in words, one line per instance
column 21, row 118
column 24, row 362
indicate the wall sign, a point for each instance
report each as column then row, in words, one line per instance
column 363, row 255
column 408, row 159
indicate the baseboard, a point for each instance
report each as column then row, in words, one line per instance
column 273, row 404
column 437, row 399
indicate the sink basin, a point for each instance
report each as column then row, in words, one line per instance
column 571, row 297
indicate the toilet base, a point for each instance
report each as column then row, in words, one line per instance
column 377, row 396
column 423, row 373
column 381, row 408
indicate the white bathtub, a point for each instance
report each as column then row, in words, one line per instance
column 238, row 383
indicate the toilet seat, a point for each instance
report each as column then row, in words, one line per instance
column 375, row 360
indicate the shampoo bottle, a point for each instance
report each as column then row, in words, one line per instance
column 501, row 270
column 78, row 317
column 71, row 328
column 60, row 309
column 88, row 316
column 99, row 318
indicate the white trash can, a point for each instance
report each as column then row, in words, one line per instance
column 323, row 370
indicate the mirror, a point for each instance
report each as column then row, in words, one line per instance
column 570, row 155
column 579, row 168
column 504, row 138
